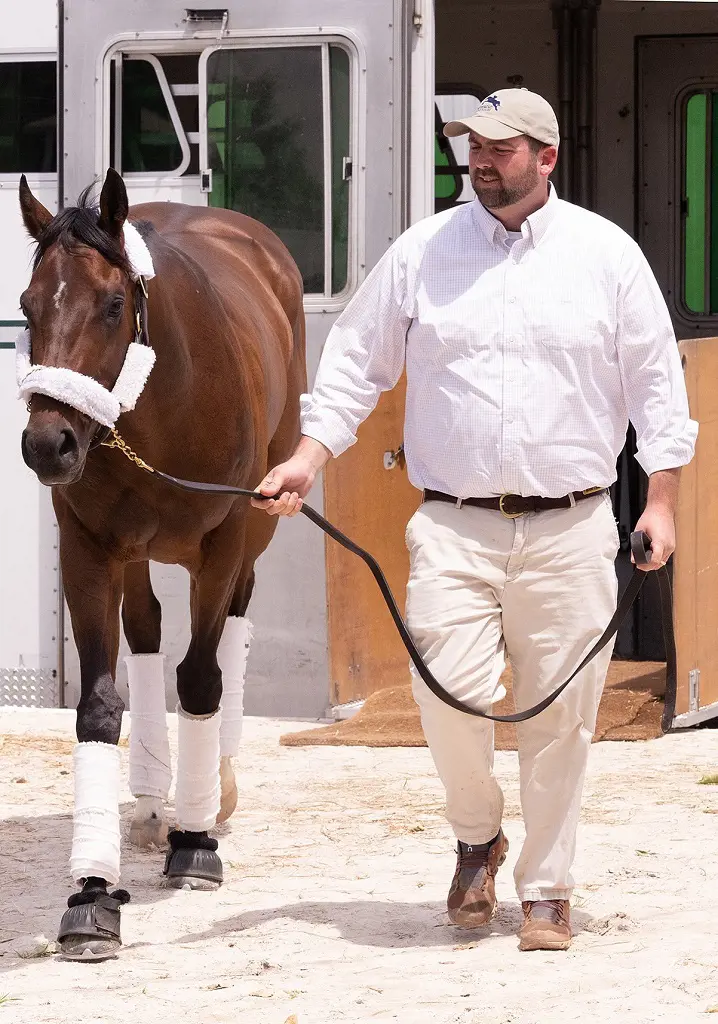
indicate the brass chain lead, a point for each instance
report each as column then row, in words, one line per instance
column 119, row 442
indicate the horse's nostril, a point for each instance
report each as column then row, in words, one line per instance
column 68, row 443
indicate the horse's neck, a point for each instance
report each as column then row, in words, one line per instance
column 197, row 357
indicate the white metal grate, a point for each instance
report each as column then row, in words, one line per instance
column 29, row 688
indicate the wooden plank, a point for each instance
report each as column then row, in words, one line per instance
column 706, row 513
column 696, row 559
column 371, row 505
column 685, row 558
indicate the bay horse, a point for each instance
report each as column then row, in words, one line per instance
column 224, row 319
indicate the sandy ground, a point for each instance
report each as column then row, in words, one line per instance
column 337, row 867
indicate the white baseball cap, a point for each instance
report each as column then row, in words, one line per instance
column 508, row 113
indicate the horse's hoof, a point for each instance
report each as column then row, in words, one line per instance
column 91, row 931
column 189, row 883
column 193, row 867
column 89, row 950
column 148, row 827
column 229, row 796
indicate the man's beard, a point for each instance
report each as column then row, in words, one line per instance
column 497, row 194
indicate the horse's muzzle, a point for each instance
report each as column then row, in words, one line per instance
column 53, row 453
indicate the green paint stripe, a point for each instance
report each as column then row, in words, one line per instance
column 11, row 323
column 713, row 245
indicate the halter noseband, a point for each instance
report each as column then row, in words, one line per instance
column 85, row 393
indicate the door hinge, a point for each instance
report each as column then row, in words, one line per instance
column 395, row 458
column 418, row 17
column 347, row 168
column 205, row 181
column 694, row 679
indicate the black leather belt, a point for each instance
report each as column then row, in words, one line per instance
column 514, row 505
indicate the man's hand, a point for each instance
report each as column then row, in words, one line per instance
column 290, row 482
column 658, row 519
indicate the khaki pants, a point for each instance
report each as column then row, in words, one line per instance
column 543, row 588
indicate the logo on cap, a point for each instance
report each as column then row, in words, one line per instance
column 495, row 103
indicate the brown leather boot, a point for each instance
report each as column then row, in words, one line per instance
column 547, row 925
column 472, row 898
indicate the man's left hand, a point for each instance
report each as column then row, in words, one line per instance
column 660, row 526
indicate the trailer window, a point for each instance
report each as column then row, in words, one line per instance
column 149, row 139
column 278, row 149
column 700, row 203
column 28, row 117
column 451, row 156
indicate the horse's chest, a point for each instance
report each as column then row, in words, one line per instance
column 130, row 527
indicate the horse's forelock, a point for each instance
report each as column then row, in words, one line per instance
column 79, row 225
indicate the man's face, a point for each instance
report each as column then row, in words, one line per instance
column 503, row 171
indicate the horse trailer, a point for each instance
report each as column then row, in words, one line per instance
column 322, row 118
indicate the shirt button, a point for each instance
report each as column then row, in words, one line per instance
column 512, row 298
column 509, row 419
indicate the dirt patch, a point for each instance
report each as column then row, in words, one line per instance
column 631, row 709
column 333, row 909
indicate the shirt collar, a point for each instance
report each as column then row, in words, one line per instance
column 534, row 227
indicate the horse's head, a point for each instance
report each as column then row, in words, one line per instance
column 79, row 307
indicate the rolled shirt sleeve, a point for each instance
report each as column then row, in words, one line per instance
column 651, row 372
column 363, row 355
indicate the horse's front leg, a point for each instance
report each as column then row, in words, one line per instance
column 150, row 766
column 192, row 860
column 90, row 928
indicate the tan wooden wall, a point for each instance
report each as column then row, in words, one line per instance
column 695, row 578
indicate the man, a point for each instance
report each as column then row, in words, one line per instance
column 531, row 330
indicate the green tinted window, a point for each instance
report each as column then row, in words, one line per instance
column 340, row 113
column 268, row 146
column 149, row 140
column 28, row 117
column 700, row 233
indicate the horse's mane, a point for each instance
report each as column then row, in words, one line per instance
column 80, row 225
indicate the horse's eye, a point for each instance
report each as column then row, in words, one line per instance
column 115, row 309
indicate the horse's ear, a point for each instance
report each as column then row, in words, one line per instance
column 34, row 215
column 113, row 204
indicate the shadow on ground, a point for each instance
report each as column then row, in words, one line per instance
column 379, row 923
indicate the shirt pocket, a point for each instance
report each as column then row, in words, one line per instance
column 562, row 321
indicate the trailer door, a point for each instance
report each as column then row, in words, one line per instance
column 293, row 111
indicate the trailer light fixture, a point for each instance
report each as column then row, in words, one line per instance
column 198, row 15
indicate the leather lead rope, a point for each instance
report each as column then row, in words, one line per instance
column 640, row 547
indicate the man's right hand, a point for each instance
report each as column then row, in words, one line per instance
column 289, row 483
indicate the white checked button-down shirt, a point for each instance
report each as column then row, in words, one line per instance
column 524, row 358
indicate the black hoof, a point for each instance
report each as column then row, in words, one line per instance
column 192, row 861
column 90, row 927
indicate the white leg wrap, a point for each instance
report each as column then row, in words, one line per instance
column 197, row 792
column 232, row 658
column 150, row 765
column 96, row 832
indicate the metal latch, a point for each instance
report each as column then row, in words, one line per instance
column 394, row 459
column 694, row 679
column 346, row 168
column 205, row 181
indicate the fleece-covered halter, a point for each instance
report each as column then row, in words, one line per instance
column 78, row 390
